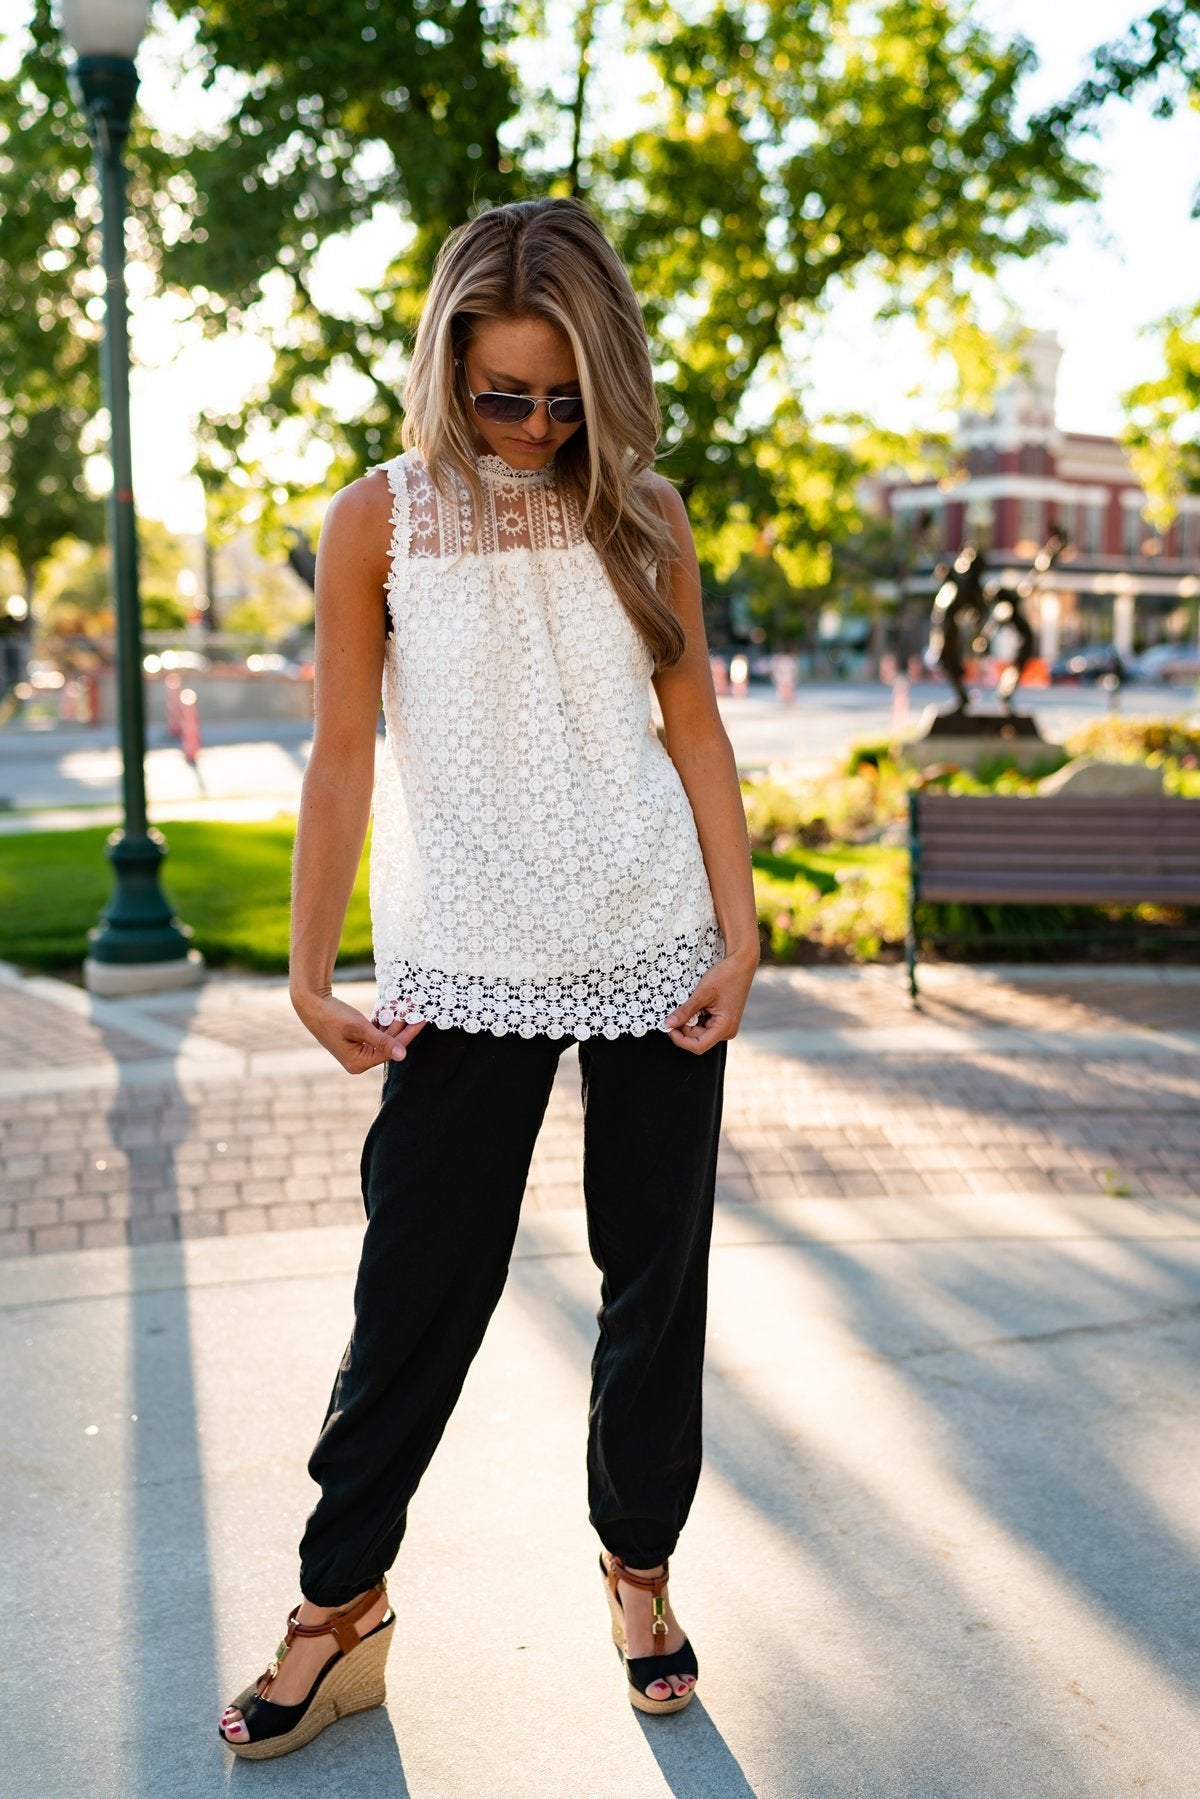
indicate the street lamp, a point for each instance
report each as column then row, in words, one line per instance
column 138, row 946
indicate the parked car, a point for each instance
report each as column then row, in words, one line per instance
column 1090, row 662
column 174, row 659
column 1168, row 662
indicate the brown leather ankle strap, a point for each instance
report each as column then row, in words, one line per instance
column 341, row 1625
column 649, row 1583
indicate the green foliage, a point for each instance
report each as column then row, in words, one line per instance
column 230, row 882
column 840, row 904
column 837, row 808
column 830, row 867
column 376, row 104
column 162, row 611
column 789, row 151
column 799, row 148
column 1163, row 432
column 49, row 369
column 1136, row 739
column 1158, row 55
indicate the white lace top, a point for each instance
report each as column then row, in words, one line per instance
column 534, row 864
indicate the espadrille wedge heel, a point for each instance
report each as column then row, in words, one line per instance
column 352, row 1680
column 643, row 1671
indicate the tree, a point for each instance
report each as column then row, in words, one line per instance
column 343, row 114
column 804, row 148
column 1158, row 55
column 49, row 371
column 790, row 151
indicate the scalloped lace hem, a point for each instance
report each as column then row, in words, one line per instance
column 630, row 1000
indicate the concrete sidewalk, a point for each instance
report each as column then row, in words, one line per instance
column 946, row 1541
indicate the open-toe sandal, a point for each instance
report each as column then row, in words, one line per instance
column 643, row 1670
column 352, row 1680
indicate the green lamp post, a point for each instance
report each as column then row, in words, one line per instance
column 138, row 946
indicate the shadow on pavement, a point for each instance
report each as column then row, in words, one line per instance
column 169, row 1600
column 693, row 1756
column 951, row 1465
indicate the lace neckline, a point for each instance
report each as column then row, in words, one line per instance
column 494, row 468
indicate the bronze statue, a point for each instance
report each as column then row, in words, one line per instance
column 966, row 617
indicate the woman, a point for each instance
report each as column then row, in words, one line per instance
column 543, row 872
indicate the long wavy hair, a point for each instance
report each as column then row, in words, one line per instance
column 549, row 259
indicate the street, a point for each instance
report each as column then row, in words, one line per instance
column 254, row 771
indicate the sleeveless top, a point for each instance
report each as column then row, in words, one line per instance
column 535, row 866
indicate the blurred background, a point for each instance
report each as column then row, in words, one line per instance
column 917, row 273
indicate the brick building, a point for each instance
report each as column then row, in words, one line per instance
column 1020, row 476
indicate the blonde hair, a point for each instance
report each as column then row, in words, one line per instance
column 549, row 259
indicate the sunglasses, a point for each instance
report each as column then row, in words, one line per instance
column 510, row 409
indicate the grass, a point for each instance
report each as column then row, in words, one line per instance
column 841, row 901
column 229, row 882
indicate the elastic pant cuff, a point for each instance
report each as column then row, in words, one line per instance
column 337, row 1597
column 636, row 1555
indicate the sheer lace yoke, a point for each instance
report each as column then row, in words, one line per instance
column 523, row 509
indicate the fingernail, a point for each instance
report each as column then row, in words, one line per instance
column 397, row 1052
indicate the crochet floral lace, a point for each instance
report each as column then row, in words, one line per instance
column 535, row 866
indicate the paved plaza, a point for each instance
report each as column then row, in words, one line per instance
column 213, row 1112
column 946, row 1540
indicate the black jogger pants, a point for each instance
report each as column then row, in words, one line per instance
column 444, row 1168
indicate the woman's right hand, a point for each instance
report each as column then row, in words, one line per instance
column 349, row 1037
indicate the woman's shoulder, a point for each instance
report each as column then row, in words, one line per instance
column 668, row 502
column 361, row 503
column 370, row 496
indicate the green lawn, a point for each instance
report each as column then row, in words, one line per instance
column 230, row 882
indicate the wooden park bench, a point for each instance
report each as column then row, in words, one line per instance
column 1000, row 849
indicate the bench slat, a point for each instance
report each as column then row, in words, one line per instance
column 956, row 883
column 1038, row 873
column 931, row 800
column 1041, row 842
column 1084, row 830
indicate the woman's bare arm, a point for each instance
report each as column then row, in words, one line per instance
column 700, row 749
column 335, row 800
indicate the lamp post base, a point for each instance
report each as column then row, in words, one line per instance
column 139, row 946
column 118, row 980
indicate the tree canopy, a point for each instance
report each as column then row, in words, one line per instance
column 784, row 152
column 1159, row 56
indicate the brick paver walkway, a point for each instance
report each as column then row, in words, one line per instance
column 213, row 1111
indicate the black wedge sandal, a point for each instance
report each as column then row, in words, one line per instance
column 643, row 1670
column 352, row 1680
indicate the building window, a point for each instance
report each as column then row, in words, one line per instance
column 1063, row 518
column 1189, row 536
column 981, row 523
column 1031, row 521
column 917, row 531
column 1134, row 531
column 1092, row 528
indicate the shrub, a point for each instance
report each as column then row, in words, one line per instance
column 1137, row 740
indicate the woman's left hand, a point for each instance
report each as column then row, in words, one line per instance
column 715, row 1006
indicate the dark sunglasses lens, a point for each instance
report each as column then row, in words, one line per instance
column 568, row 411
column 503, row 409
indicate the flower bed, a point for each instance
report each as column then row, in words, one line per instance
column 830, row 853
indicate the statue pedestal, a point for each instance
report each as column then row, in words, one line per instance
column 969, row 738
